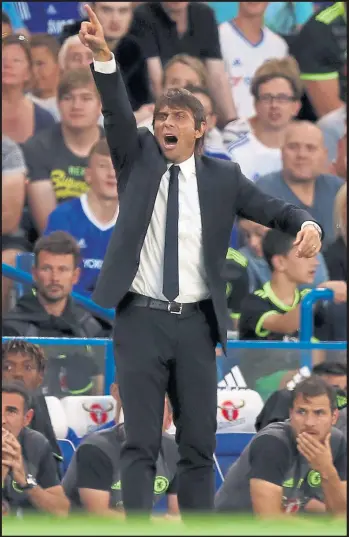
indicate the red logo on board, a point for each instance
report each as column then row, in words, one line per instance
column 98, row 413
column 230, row 410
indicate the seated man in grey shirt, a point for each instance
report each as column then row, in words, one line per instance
column 291, row 466
column 303, row 180
column 29, row 471
column 92, row 481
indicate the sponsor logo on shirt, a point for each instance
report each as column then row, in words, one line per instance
column 236, row 80
column 161, row 484
column 290, row 483
column 93, row 263
column 314, row 478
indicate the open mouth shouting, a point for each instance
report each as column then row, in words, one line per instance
column 170, row 141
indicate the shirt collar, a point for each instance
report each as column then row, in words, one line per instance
column 187, row 167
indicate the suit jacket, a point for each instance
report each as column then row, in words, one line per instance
column 224, row 192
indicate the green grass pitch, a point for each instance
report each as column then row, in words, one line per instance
column 37, row 525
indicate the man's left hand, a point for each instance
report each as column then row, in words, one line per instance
column 12, row 458
column 308, row 241
column 318, row 454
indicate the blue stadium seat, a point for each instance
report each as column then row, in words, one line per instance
column 24, row 261
column 229, row 448
column 67, row 449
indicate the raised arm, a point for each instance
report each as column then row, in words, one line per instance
column 255, row 205
column 119, row 121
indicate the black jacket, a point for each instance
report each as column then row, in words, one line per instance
column 29, row 319
column 132, row 62
column 224, row 192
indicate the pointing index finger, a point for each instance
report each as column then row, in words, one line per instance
column 92, row 15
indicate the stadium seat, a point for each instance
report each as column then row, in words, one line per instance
column 24, row 261
column 67, row 449
column 237, row 410
column 229, row 448
column 57, row 416
column 86, row 413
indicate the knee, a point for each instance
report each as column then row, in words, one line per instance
column 197, row 447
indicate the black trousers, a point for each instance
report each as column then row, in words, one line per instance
column 157, row 351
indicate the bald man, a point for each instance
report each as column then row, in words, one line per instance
column 303, row 180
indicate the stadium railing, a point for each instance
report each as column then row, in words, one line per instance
column 230, row 443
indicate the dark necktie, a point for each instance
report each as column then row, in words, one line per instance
column 170, row 286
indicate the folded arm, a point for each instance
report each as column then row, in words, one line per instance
column 51, row 500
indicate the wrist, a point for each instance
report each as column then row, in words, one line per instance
column 103, row 55
column 21, row 481
column 328, row 473
column 314, row 225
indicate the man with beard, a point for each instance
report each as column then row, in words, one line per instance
column 292, row 466
column 49, row 311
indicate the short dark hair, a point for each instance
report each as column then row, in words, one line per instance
column 80, row 77
column 22, row 42
column 6, row 19
column 21, row 346
column 60, row 243
column 48, row 41
column 330, row 368
column 276, row 242
column 176, row 98
column 204, row 91
column 314, row 386
column 17, row 387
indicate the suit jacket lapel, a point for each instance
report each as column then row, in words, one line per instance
column 155, row 169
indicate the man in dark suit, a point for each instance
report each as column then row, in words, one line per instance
column 162, row 271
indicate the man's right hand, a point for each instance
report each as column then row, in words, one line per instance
column 92, row 36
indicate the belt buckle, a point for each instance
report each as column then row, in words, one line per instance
column 177, row 311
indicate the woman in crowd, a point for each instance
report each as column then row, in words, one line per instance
column 21, row 118
column 180, row 71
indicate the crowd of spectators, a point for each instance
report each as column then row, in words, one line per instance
column 272, row 80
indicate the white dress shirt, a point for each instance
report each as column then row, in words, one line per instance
column 192, row 275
